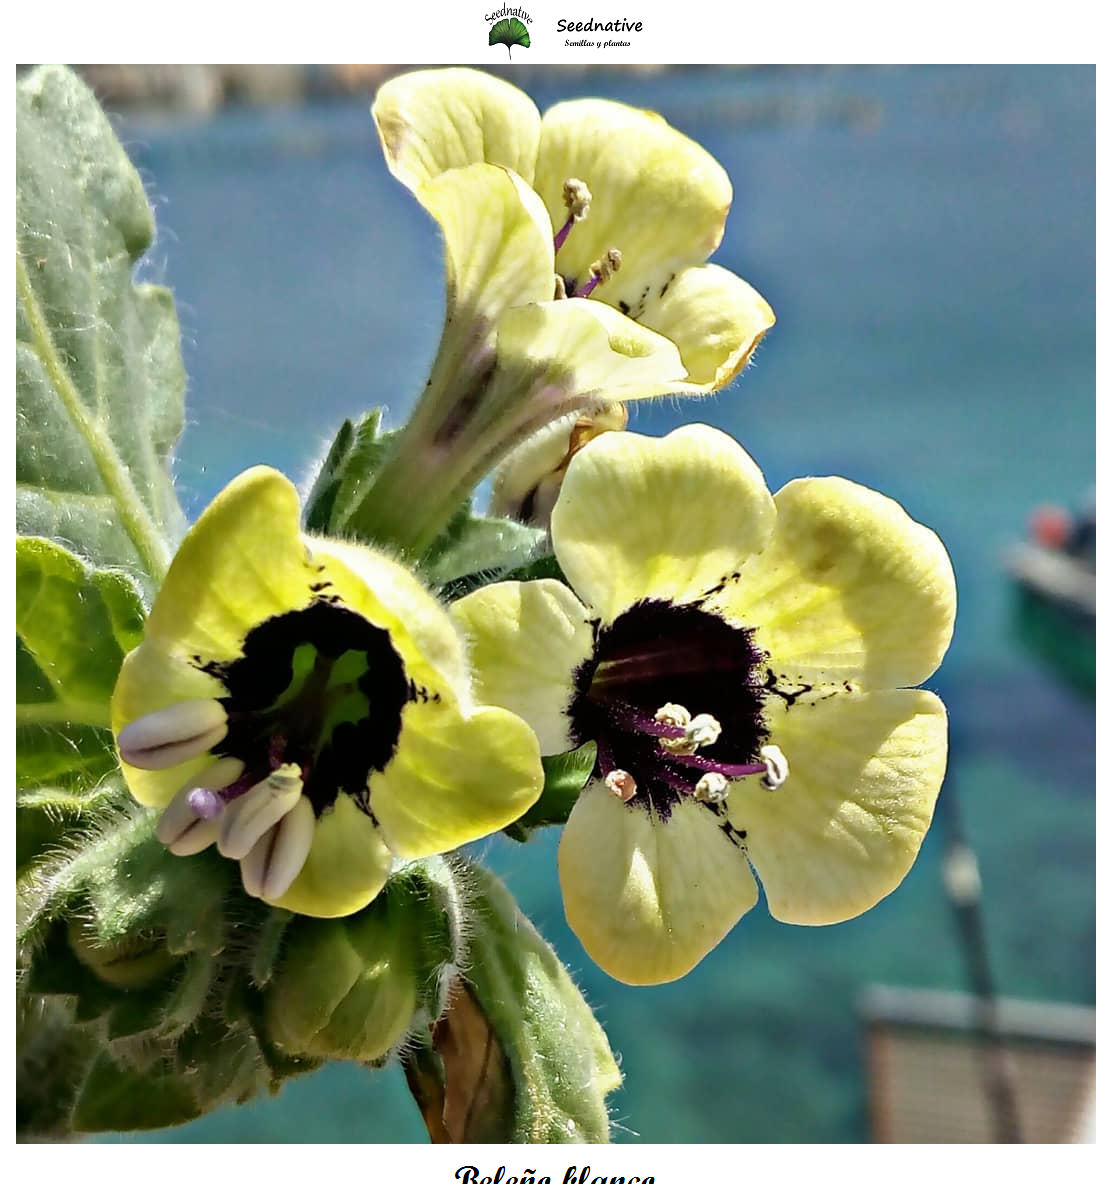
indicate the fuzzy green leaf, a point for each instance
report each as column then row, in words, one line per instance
column 74, row 623
column 116, row 1097
column 99, row 378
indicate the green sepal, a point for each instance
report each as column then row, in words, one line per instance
column 346, row 473
column 475, row 549
column 564, row 777
column 117, row 1097
column 523, row 1058
column 52, row 1058
column 48, row 816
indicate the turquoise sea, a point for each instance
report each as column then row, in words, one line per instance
column 926, row 237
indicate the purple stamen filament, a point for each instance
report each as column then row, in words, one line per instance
column 589, row 287
column 562, row 233
column 727, row 770
column 646, row 723
column 640, row 721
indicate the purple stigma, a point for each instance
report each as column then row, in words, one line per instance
column 205, row 803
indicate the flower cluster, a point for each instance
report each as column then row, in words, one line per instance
column 744, row 664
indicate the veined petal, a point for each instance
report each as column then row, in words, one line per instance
column 656, row 195
column 845, row 827
column 570, row 354
column 243, row 561
column 497, row 240
column 715, row 319
column 849, row 588
column 393, row 598
column 454, row 778
column 647, row 896
column 640, row 518
column 150, row 680
column 526, row 641
column 433, row 120
column 347, row 866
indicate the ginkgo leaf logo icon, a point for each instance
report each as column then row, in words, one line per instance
column 509, row 32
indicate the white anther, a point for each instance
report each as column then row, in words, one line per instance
column 776, row 767
column 248, row 818
column 174, row 735
column 675, row 715
column 703, row 730
column 602, row 269
column 621, row 784
column 276, row 860
column 560, row 289
column 179, row 828
column 712, row 787
column 577, row 198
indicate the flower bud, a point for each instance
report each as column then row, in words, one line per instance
column 346, row 988
column 128, row 962
column 528, row 481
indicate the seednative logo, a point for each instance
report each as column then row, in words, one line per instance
column 508, row 29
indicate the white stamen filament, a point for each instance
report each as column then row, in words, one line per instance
column 248, row 818
column 174, row 735
column 776, row 767
column 621, row 784
column 276, row 860
column 179, row 827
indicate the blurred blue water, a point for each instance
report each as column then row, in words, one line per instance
column 926, row 238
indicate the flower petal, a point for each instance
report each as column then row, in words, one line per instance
column 526, row 484
column 663, row 519
column 454, row 779
column 347, row 866
column 577, row 353
column 845, row 827
column 526, row 641
column 497, row 244
column 151, row 679
column 243, row 561
column 649, row 897
column 656, row 195
column 497, row 254
column 392, row 597
column 849, row 588
column 715, row 319
column 433, row 120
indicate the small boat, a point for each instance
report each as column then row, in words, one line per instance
column 1055, row 609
